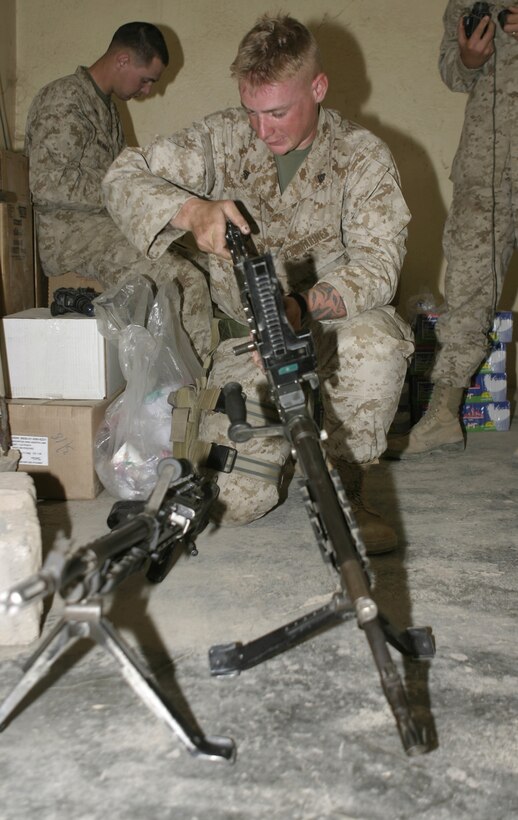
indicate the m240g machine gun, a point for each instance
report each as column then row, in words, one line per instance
column 289, row 363
column 144, row 535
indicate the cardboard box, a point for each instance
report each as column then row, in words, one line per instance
column 487, row 387
column 487, row 416
column 502, row 330
column 496, row 361
column 14, row 174
column 56, row 439
column 17, row 287
column 62, row 357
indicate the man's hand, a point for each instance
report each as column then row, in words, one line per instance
column 511, row 24
column 478, row 49
column 293, row 312
column 206, row 220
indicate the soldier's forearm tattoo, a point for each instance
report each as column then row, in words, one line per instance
column 324, row 302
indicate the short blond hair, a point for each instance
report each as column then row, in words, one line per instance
column 276, row 48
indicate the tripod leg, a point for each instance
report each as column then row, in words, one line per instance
column 416, row 642
column 233, row 658
column 214, row 748
column 37, row 666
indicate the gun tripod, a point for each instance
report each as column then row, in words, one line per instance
column 233, row 658
column 86, row 620
column 414, row 642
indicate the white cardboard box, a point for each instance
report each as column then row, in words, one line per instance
column 62, row 357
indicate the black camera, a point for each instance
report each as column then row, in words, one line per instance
column 73, row 300
column 474, row 17
column 476, row 14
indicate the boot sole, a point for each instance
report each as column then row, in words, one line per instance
column 442, row 449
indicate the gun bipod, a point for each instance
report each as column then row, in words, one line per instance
column 85, row 620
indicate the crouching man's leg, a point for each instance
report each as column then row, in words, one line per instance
column 194, row 306
column 362, row 363
column 252, row 488
column 93, row 247
column 122, row 261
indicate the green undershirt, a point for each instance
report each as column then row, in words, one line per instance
column 288, row 165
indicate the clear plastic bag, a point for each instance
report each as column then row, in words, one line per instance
column 422, row 303
column 156, row 358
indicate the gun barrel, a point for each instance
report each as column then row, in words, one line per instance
column 27, row 592
column 394, row 691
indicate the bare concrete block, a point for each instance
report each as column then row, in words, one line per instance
column 20, row 553
column 9, row 461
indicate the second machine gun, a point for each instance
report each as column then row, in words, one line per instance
column 144, row 536
column 289, row 363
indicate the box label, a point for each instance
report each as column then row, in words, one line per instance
column 34, row 449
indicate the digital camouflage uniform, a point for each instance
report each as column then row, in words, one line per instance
column 480, row 232
column 341, row 219
column 73, row 134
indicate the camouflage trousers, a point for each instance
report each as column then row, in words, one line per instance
column 92, row 246
column 479, row 239
column 362, row 363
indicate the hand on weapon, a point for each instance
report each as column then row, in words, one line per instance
column 206, row 220
column 144, row 534
column 289, row 362
column 293, row 312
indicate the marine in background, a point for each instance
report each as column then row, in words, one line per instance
column 73, row 134
column 481, row 230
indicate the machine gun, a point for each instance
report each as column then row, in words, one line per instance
column 143, row 535
column 289, row 363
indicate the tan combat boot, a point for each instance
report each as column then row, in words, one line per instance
column 377, row 535
column 439, row 430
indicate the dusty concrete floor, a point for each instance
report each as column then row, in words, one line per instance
column 315, row 738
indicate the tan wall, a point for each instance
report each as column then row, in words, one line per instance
column 381, row 58
column 8, row 67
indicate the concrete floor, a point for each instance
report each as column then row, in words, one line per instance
column 315, row 737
